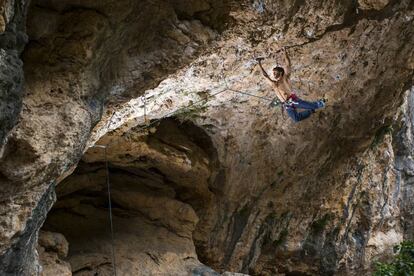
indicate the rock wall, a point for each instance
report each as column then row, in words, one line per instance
column 52, row 248
column 403, row 149
column 159, row 187
column 326, row 196
column 78, row 56
column 12, row 41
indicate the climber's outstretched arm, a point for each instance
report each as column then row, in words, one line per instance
column 263, row 70
column 287, row 66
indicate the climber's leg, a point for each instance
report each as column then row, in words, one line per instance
column 298, row 116
column 298, row 103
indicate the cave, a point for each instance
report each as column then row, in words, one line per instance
column 160, row 185
column 205, row 177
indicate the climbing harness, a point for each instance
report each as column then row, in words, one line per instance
column 110, row 205
column 291, row 100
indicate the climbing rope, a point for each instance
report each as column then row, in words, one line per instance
column 153, row 122
column 175, row 112
column 144, row 127
column 251, row 95
column 110, row 206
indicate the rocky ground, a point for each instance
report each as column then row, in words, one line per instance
column 204, row 179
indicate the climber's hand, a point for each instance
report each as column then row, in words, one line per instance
column 259, row 59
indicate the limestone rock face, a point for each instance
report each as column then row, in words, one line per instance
column 68, row 79
column 52, row 248
column 373, row 4
column 158, row 183
column 205, row 178
column 12, row 41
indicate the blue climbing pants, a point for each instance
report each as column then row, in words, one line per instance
column 294, row 103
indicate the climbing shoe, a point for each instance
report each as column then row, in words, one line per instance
column 321, row 103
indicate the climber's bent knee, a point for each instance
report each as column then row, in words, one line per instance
column 293, row 114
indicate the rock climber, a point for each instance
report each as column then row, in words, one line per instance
column 283, row 89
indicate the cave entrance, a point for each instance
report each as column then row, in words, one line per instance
column 160, row 187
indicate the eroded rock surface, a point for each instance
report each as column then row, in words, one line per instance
column 12, row 41
column 74, row 64
column 52, row 248
column 158, row 183
column 257, row 194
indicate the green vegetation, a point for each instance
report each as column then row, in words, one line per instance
column 282, row 238
column 403, row 263
column 379, row 135
column 318, row 225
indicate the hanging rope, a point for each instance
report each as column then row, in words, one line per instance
column 110, row 206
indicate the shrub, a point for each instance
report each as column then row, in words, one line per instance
column 403, row 263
